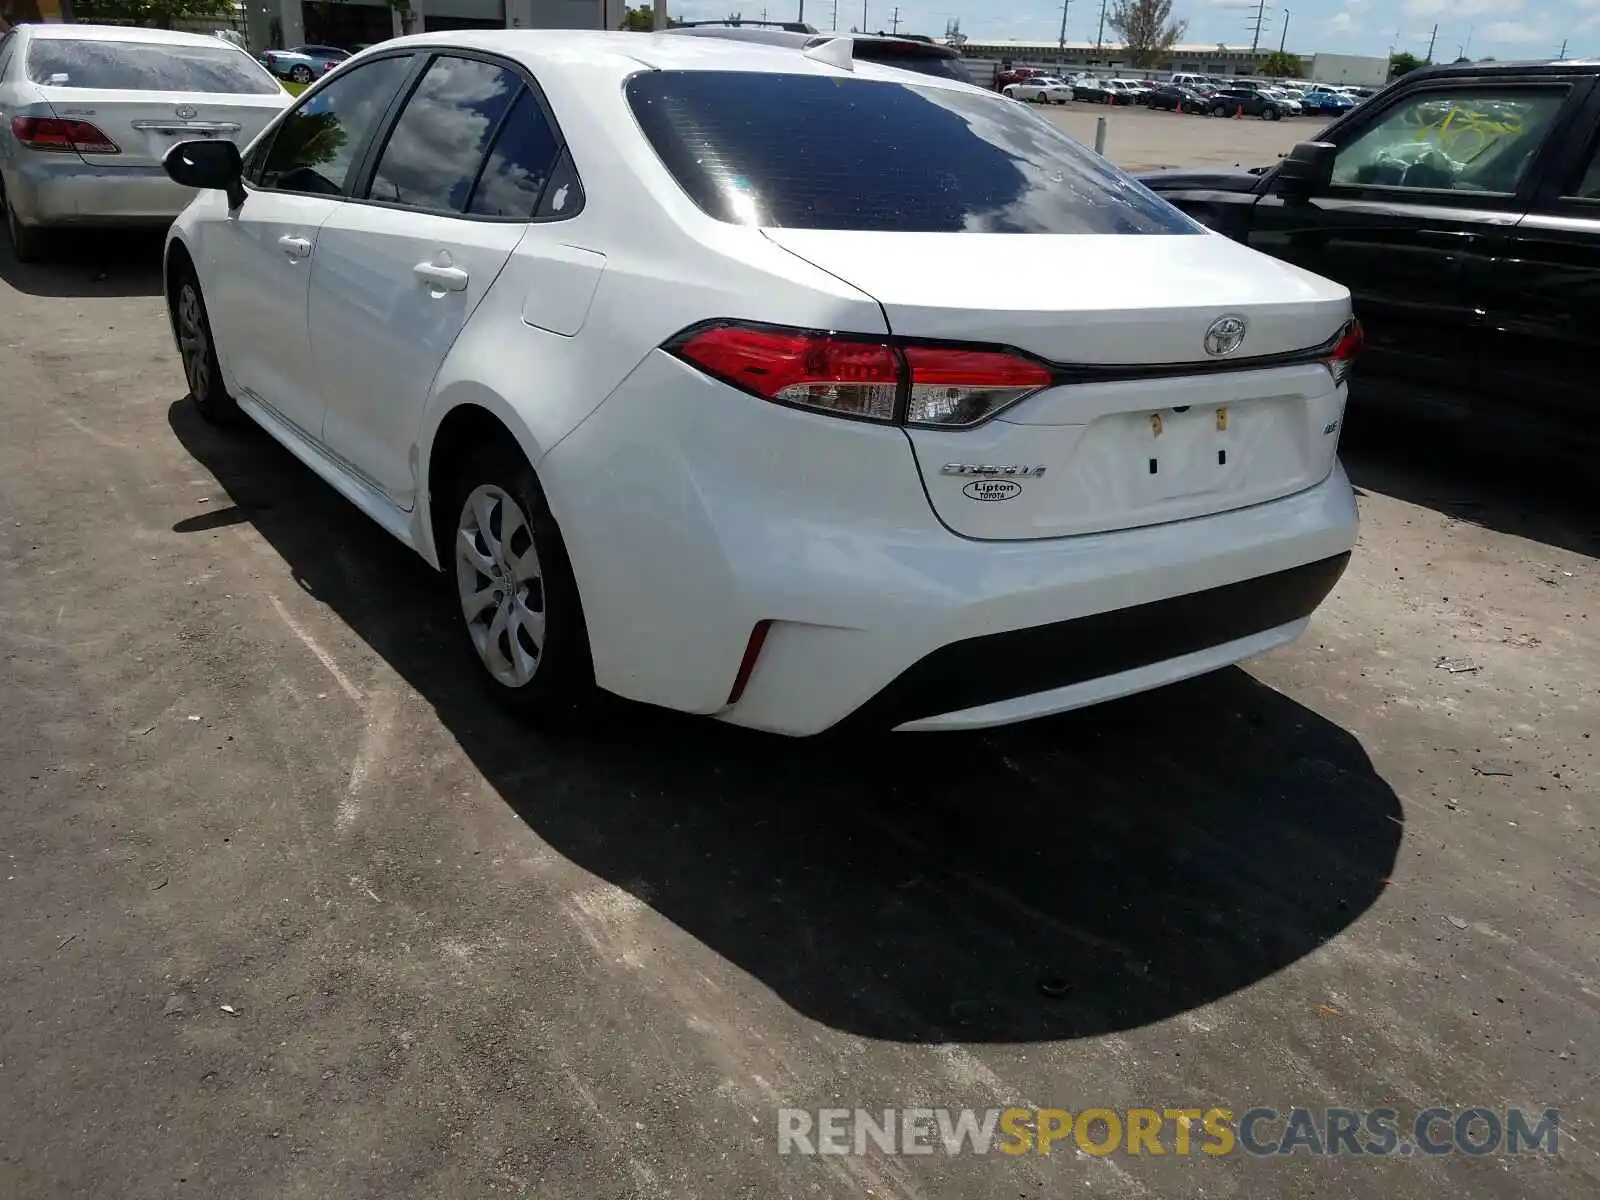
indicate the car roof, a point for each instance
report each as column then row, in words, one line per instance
column 794, row 39
column 120, row 33
column 1562, row 66
column 585, row 53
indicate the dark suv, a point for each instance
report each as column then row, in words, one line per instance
column 922, row 55
column 1461, row 207
column 1230, row 101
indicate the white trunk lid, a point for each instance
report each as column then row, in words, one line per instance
column 145, row 125
column 1115, row 452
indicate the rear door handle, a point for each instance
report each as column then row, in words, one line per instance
column 447, row 279
column 295, row 247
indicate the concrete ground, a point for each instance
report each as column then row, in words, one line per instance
column 291, row 911
column 1141, row 139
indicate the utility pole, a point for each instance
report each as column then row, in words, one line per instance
column 1261, row 17
column 660, row 21
column 1284, row 36
column 801, row 16
column 835, row 25
column 1061, row 55
column 863, row 16
column 1432, row 37
column 1100, row 34
column 1562, row 53
column 894, row 21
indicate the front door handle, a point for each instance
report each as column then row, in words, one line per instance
column 295, row 247
column 445, row 279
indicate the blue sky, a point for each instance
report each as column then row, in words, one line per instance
column 1505, row 29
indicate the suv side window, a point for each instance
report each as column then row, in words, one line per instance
column 1473, row 138
column 315, row 146
column 8, row 44
column 437, row 146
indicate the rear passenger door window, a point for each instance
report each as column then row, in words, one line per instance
column 520, row 166
column 434, row 154
column 317, row 144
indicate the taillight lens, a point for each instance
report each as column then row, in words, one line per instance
column 962, row 387
column 915, row 384
column 63, row 137
column 1351, row 340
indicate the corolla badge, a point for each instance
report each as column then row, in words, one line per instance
column 1224, row 336
column 185, row 113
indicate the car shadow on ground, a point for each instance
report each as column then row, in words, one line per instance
column 1489, row 477
column 89, row 263
column 1090, row 873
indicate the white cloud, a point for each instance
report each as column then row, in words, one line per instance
column 1460, row 8
column 1342, row 22
column 1514, row 33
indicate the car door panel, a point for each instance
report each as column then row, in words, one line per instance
column 259, row 279
column 401, row 288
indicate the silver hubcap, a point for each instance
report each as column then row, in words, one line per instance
column 192, row 343
column 500, row 584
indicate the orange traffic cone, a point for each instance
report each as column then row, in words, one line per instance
column 1238, row 113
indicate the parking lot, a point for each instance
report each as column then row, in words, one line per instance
column 292, row 911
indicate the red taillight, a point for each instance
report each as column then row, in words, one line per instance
column 1351, row 340
column 62, row 137
column 879, row 381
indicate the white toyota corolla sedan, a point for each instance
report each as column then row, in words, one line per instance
column 88, row 111
column 771, row 385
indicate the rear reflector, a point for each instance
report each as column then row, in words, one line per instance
column 52, row 134
column 758, row 639
column 917, row 384
column 1351, row 340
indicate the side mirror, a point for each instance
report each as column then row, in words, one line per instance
column 208, row 164
column 1305, row 171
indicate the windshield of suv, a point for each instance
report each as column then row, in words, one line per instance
column 818, row 152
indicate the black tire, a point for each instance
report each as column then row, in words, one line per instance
column 300, row 73
column 562, row 682
column 27, row 245
column 1271, row 114
column 1218, row 110
column 197, row 348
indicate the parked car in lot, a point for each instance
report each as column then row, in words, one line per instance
column 1287, row 98
column 1041, row 89
column 557, row 355
column 1462, row 208
column 1172, row 98
column 302, row 64
column 1250, row 101
column 87, row 111
column 1106, row 91
column 1005, row 78
column 1327, row 103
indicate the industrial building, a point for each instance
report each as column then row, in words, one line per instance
column 1197, row 58
column 279, row 23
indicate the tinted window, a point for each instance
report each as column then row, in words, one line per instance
column 146, row 67
column 433, row 154
column 564, row 195
column 317, row 143
column 1471, row 139
column 910, row 58
column 814, row 152
column 519, row 165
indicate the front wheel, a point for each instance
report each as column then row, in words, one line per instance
column 1218, row 110
column 1271, row 114
column 519, row 601
column 198, row 349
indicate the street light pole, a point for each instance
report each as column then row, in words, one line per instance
column 1284, row 36
column 1099, row 37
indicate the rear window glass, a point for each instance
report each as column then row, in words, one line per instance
column 817, row 152
column 913, row 58
column 146, row 67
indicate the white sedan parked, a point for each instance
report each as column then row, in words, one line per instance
column 1041, row 89
column 635, row 338
column 87, row 111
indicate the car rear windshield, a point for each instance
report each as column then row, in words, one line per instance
column 146, row 67
column 819, row 152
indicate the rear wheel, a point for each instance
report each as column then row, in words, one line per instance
column 198, row 350
column 300, row 73
column 1218, row 110
column 27, row 245
column 1271, row 114
column 519, row 601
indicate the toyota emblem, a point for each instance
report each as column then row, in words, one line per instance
column 1225, row 335
column 185, row 113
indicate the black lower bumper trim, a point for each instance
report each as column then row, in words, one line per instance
column 1024, row 662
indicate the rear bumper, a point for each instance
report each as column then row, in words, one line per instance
column 60, row 189
column 692, row 513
